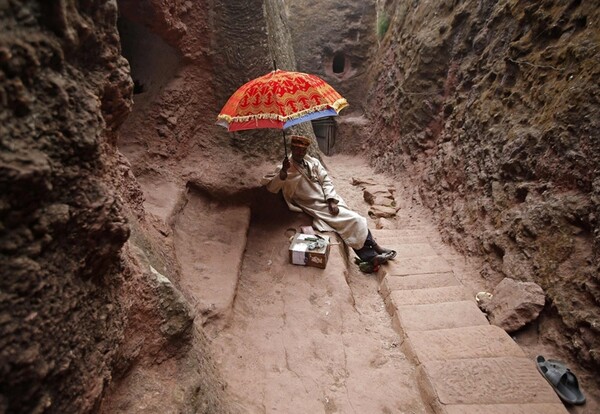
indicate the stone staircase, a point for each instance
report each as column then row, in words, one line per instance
column 464, row 364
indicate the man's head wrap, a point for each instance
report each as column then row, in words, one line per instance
column 300, row 141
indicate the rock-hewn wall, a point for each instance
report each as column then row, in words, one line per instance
column 492, row 108
column 63, row 89
column 241, row 53
column 173, row 131
column 81, row 306
column 335, row 40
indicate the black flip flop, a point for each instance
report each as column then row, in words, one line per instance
column 561, row 378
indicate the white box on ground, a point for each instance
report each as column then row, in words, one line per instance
column 307, row 250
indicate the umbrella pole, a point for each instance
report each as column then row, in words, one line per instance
column 284, row 146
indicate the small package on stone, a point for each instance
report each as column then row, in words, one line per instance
column 309, row 250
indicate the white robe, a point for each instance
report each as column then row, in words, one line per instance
column 309, row 193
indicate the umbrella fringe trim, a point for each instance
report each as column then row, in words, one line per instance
column 336, row 106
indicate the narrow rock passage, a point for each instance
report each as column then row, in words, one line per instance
column 307, row 340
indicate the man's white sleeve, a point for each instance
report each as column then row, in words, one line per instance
column 328, row 188
column 272, row 181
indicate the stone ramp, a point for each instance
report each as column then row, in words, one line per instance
column 465, row 365
column 210, row 239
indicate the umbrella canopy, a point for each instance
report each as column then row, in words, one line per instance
column 279, row 100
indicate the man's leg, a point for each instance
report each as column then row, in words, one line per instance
column 373, row 252
column 386, row 252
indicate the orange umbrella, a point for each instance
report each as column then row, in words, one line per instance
column 279, row 100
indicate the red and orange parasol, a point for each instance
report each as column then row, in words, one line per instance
column 279, row 100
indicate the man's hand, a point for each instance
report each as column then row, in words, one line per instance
column 285, row 165
column 333, row 207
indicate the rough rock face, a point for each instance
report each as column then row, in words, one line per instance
column 492, row 108
column 514, row 304
column 186, row 60
column 81, row 306
column 63, row 88
column 202, row 59
column 335, row 40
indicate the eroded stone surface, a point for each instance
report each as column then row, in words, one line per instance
column 374, row 193
column 432, row 280
column 505, row 409
column 439, row 316
column 483, row 381
column 384, row 211
column 383, row 223
column 483, row 341
column 210, row 241
column 431, row 295
column 410, row 249
column 399, row 234
column 417, row 265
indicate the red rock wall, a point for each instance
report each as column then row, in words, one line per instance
column 221, row 45
column 78, row 311
column 326, row 30
column 492, row 109
column 63, row 89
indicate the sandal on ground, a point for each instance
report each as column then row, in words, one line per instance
column 561, row 378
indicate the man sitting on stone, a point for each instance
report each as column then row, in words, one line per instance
column 306, row 187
